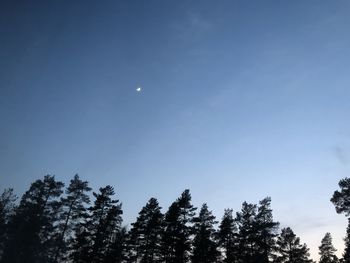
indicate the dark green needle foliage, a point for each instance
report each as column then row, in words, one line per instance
column 228, row 237
column 327, row 250
column 146, row 233
column 32, row 230
column 204, row 243
column 176, row 242
column 289, row 249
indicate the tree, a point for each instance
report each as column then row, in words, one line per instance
column 116, row 252
column 327, row 250
column 266, row 230
column 146, row 233
column 33, row 228
column 7, row 209
column 247, row 248
column 289, row 249
column 176, row 243
column 204, row 245
column 73, row 212
column 228, row 237
column 94, row 239
column 341, row 199
column 346, row 253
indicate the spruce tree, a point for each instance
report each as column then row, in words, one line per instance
column 146, row 233
column 327, row 250
column 228, row 237
column 289, row 249
column 33, row 228
column 204, row 244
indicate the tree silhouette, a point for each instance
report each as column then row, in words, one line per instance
column 74, row 211
column 117, row 249
column 7, row 209
column 32, row 229
column 204, row 245
column 266, row 230
column 327, row 250
column 146, row 233
column 48, row 228
column 94, row 236
column 228, row 237
column 105, row 222
column 247, row 249
column 176, row 243
column 341, row 199
column 289, row 248
column 346, row 253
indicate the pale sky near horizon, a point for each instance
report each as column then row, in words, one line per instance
column 239, row 100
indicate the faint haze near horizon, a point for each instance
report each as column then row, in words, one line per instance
column 240, row 100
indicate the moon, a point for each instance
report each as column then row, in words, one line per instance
column 138, row 89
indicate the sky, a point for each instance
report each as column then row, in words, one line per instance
column 240, row 100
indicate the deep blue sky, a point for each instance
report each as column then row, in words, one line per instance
column 240, row 100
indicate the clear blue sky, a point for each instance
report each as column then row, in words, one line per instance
column 240, row 100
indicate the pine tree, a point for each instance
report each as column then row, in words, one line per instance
column 289, row 249
column 228, row 237
column 146, row 233
column 169, row 238
column 117, row 249
column 204, row 245
column 74, row 211
column 7, row 209
column 82, row 243
column 341, row 200
column 94, row 240
column 248, row 250
column 176, row 243
column 327, row 250
column 266, row 231
column 32, row 229
column 346, row 253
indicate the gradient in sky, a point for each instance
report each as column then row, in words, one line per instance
column 240, row 100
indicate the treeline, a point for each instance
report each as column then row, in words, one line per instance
column 51, row 223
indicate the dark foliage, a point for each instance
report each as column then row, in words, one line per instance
column 204, row 243
column 327, row 250
column 32, row 228
column 145, row 234
column 54, row 226
column 290, row 250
